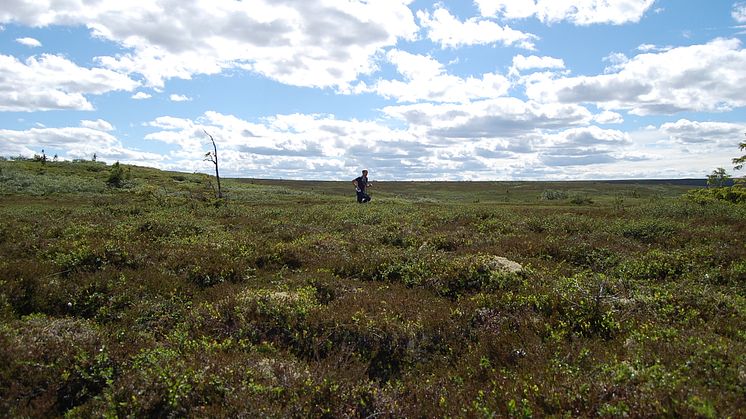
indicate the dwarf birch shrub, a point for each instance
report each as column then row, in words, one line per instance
column 57, row 364
column 553, row 195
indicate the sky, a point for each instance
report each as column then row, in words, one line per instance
column 408, row 89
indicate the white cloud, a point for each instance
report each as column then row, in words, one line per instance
column 290, row 146
column 179, row 98
column 322, row 146
column 588, row 137
column 652, row 48
column 707, row 77
column 533, row 62
column 583, row 146
column 685, row 131
column 511, row 9
column 446, row 30
column 426, row 79
column 495, row 139
column 325, row 43
column 521, row 62
column 580, row 12
column 504, row 117
column 739, row 12
column 53, row 82
column 74, row 142
column 29, row 42
column 684, row 148
column 647, row 47
column 98, row 124
column 608, row 117
column 141, row 96
column 617, row 60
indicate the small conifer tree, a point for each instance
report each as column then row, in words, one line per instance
column 116, row 176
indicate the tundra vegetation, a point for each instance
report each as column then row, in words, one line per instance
column 127, row 291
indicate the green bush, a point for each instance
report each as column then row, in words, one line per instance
column 583, row 306
column 116, row 176
column 553, row 195
column 580, row 199
column 657, row 265
column 56, row 364
column 734, row 194
column 647, row 230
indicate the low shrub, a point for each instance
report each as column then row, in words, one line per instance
column 656, row 265
column 206, row 266
column 733, row 194
column 579, row 199
column 379, row 325
column 553, row 195
column 444, row 273
column 117, row 176
column 581, row 254
column 648, row 230
column 582, row 305
column 56, row 364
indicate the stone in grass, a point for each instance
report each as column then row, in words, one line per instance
column 500, row 263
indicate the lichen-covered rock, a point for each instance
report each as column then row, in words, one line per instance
column 504, row 264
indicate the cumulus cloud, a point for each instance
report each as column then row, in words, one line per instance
column 141, row 96
column 179, row 98
column 323, row 146
column 324, row 43
column 445, row 29
column 98, row 124
column 73, row 142
column 683, row 148
column 685, row 131
column 608, row 117
column 53, row 82
column 591, row 136
column 290, row 146
column 739, row 12
column 522, row 63
column 616, row 61
column 29, row 42
column 652, row 48
column 583, row 12
column 707, row 77
column 503, row 138
column 583, row 146
column 426, row 79
column 493, row 118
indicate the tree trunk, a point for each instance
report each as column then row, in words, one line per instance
column 214, row 160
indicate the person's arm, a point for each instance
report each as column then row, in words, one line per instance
column 354, row 182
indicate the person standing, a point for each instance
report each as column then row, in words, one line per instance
column 361, row 186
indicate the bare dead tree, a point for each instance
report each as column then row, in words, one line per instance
column 212, row 156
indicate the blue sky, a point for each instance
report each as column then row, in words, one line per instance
column 411, row 90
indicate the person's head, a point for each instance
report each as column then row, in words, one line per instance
column 365, row 172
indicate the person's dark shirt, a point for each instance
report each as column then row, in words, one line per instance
column 362, row 182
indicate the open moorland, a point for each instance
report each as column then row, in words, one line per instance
column 144, row 296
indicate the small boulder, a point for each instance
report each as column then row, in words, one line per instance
column 506, row 265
